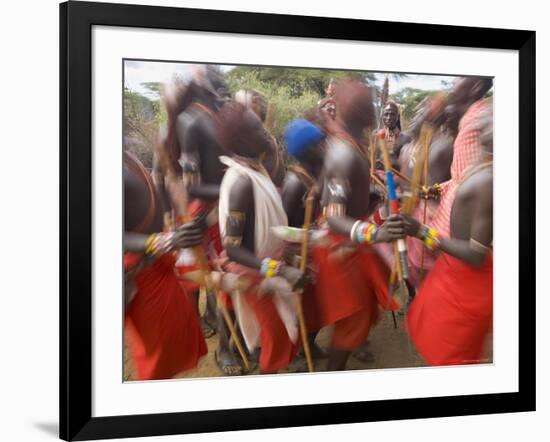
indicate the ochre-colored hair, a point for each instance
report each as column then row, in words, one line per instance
column 354, row 102
column 233, row 125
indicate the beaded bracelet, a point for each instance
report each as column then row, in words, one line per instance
column 270, row 267
column 363, row 232
column 159, row 243
column 430, row 237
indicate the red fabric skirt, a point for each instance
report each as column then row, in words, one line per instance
column 452, row 313
column 212, row 243
column 351, row 286
column 161, row 327
column 277, row 350
column 311, row 308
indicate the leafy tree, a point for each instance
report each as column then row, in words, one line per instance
column 142, row 118
column 409, row 98
column 289, row 91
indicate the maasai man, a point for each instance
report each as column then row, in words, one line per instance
column 197, row 135
column 466, row 104
column 438, row 171
column 305, row 143
column 249, row 207
column 451, row 316
column 274, row 159
column 352, row 279
column 441, row 146
column 161, row 327
column 395, row 139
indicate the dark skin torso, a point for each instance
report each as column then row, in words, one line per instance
column 197, row 136
column 397, row 146
column 472, row 212
column 293, row 193
column 137, row 202
column 471, row 218
column 345, row 164
column 441, row 157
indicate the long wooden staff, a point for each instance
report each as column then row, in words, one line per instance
column 400, row 247
column 427, row 141
column 303, row 264
column 420, row 172
column 373, row 175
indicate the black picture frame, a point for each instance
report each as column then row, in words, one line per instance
column 76, row 21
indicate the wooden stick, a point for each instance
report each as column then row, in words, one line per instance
column 372, row 153
column 427, row 141
column 380, row 183
column 400, row 175
column 394, row 209
column 233, row 331
column 303, row 265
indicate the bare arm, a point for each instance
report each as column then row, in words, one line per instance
column 190, row 135
column 338, row 192
column 292, row 194
column 187, row 235
column 241, row 205
column 474, row 250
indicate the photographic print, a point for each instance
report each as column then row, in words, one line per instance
column 272, row 221
column 294, row 220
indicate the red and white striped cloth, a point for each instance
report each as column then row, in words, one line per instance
column 466, row 151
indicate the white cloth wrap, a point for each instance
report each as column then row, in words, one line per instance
column 268, row 213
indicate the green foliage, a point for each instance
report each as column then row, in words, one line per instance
column 284, row 103
column 298, row 81
column 289, row 92
column 409, row 98
column 142, row 119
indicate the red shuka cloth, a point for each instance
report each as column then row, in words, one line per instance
column 161, row 326
column 452, row 314
column 349, row 290
column 211, row 242
column 277, row 350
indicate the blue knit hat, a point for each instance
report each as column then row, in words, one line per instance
column 300, row 136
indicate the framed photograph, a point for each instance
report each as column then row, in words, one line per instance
column 273, row 220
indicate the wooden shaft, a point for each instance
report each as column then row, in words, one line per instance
column 387, row 166
column 233, row 331
column 427, row 141
column 400, row 175
column 372, row 153
column 303, row 265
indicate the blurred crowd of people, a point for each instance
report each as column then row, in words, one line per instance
column 331, row 226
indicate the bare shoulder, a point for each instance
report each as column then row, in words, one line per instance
column 292, row 181
column 340, row 157
column 479, row 184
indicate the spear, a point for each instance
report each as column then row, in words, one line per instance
column 400, row 244
column 400, row 247
column 373, row 175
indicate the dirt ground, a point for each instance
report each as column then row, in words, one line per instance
column 390, row 347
